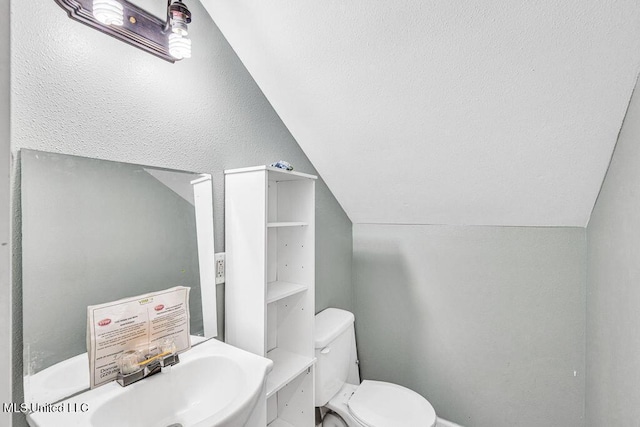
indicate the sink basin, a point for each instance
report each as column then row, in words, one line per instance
column 64, row 379
column 59, row 381
column 214, row 384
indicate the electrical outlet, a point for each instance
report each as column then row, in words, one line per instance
column 220, row 268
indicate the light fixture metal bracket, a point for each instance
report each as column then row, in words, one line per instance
column 140, row 29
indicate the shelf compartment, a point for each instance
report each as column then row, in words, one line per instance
column 278, row 290
column 286, row 366
column 279, row 423
column 287, row 224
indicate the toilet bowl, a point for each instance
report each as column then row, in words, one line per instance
column 339, row 391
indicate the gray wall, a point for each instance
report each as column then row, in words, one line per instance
column 77, row 91
column 486, row 322
column 5, row 242
column 613, row 291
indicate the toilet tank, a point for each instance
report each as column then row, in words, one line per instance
column 335, row 343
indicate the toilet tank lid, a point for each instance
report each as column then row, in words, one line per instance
column 330, row 323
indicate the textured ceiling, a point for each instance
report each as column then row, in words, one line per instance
column 447, row 112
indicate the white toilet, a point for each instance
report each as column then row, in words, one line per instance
column 338, row 388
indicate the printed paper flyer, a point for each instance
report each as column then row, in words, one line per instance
column 122, row 325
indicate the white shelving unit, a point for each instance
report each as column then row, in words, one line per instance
column 286, row 224
column 278, row 290
column 270, row 282
column 280, row 423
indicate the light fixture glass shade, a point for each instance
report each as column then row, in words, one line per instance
column 179, row 26
column 179, row 46
column 109, row 12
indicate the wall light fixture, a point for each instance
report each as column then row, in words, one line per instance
column 167, row 39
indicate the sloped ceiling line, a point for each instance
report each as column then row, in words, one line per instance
column 460, row 113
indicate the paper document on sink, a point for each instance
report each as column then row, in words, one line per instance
column 128, row 323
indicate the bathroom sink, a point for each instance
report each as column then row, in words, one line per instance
column 214, row 384
column 58, row 381
column 64, row 379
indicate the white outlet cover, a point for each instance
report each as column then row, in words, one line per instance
column 219, row 271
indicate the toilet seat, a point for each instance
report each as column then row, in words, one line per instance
column 382, row 404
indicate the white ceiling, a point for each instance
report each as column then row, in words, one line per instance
column 447, row 112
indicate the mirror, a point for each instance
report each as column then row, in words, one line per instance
column 95, row 231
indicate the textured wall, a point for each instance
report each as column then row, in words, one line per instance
column 78, row 91
column 5, row 245
column 486, row 322
column 613, row 294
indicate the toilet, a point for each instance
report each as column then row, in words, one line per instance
column 344, row 400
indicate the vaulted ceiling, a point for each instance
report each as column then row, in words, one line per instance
column 447, row 112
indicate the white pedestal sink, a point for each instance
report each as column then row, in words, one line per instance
column 214, row 384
